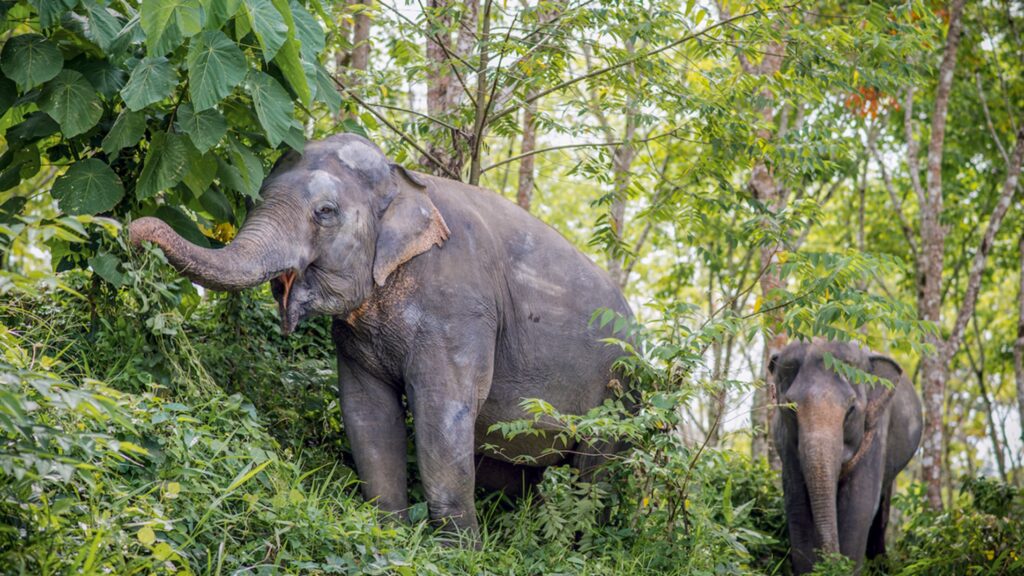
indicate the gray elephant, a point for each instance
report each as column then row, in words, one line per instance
column 841, row 448
column 441, row 292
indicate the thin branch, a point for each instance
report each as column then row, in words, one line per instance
column 988, row 119
column 578, row 145
column 897, row 204
column 625, row 62
column 978, row 264
column 394, row 128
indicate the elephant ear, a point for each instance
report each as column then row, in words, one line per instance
column 880, row 394
column 410, row 225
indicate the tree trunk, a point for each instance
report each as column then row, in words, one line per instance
column 1018, row 345
column 935, row 366
column 524, row 193
column 361, row 40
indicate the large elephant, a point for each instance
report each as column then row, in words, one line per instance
column 841, row 448
column 441, row 292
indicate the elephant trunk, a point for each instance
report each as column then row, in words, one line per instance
column 252, row 258
column 820, row 456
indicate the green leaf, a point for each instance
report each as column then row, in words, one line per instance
column 183, row 225
column 104, row 28
column 308, row 31
column 146, row 535
column 205, row 129
column 289, row 59
column 127, row 130
column 165, row 165
column 273, row 106
column 218, row 12
column 8, row 95
column 152, row 80
column 326, row 91
column 269, row 25
column 35, row 126
column 244, row 173
column 30, row 60
column 201, row 172
column 72, row 101
column 105, row 265
column 168, row 22
column 106, row 78
column 216, row 203
column 18, row 164
column 215, row 66
column 50, row 11
column 88, row 187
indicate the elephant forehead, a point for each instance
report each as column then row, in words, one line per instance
column 362, row 157
column 323, row 181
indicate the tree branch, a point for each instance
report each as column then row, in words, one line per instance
column 978, row 264
column 625, row 62
column 394, row 128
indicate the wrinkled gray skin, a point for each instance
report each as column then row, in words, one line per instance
column 841, row 449
column 442, row 292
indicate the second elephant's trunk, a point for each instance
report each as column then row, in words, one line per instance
column 820, row 456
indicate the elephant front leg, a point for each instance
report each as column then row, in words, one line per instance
column 375, row 424
column 445, row 391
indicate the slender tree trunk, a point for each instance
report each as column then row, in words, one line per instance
column 524, row 193
column 767, row 191
column 1018, row 345
column 361, row 40
column 935, row 366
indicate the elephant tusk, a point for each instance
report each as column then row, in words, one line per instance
column 287, row 278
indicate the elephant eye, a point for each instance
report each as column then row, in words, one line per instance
column 325, row 212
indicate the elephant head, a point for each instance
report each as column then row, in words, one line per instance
column 332, row 222
column 834, row 421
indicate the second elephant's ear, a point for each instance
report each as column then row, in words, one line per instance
column 880, row 394
column 410, row 226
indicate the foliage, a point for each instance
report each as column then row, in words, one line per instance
column 157, row 107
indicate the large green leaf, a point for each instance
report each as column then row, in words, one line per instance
column 127, row 130
column 88, row 187
column 326, row 91
column 104, row 28
column 308, row 31
column 215, row 66
column 218, row 12
column 50, row 11
column 35, row 126
column 152, row 80
column 106, row 78
column 72, row 101
column 165, row 165
column 273, row 106
column 167, row 22
column 105, row 265
column 205, row 128
column 269, row 24
column 201, row 172
column 8, row 94
column 244, row 173
column 289, row 58
column 182, row 224
column 30, row 60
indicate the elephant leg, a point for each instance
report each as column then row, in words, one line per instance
column 512, row 480
column 799, row 520
column 374, row 421
column 446, row 380
column 876, row 536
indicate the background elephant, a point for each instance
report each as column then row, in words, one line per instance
column 442, row 293
column 841, row 448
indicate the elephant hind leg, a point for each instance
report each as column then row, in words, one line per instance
column 512, row 480
column 876, row 536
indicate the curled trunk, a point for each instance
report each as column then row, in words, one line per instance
column 248, row 261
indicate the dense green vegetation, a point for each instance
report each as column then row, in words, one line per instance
column 750, row 173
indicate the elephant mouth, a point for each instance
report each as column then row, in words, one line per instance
column 288, row 311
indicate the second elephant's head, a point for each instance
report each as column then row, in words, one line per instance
column 332, row 222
